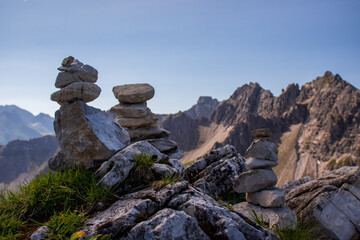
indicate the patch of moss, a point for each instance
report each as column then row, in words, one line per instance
column 331, row 163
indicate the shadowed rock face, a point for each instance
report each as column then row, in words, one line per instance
column 325, row 111
column 86, row 134
column 203, row 108
column 332, row 201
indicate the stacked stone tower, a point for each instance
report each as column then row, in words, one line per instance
column 134, row 115
column 259, row 182
column 87, row 136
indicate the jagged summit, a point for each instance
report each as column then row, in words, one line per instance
column 316, row 126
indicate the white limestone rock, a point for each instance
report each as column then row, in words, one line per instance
column 262, row 149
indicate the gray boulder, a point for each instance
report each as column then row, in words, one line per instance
column 167, row 224
column 87, row 135
column 40, row 233
column 215, row 173
column 176, row 211
column 117, row 169
column 270, row 197
column 332, row 201
column 137, row 122
column 255, row 180
column 262, row 149
column 283, row 217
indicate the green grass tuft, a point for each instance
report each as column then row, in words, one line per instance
column 144, row 162
column 64, row 224
column 38, row 200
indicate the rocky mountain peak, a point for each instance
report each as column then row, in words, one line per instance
column 203, row 108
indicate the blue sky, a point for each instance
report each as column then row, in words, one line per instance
column 184, row 48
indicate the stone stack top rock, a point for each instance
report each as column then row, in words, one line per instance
column 76, row 81
column 134, row 93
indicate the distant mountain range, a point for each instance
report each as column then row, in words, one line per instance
column 19, row 124
column 317, row 126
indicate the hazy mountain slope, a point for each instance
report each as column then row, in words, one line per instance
column 317, row 123
column 21, row 156
column 16, row 123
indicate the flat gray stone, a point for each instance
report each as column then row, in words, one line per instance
column 283, row 216
column 149, row 120
column 175, row 163
column 254, row 163
column 271, row 197
column 40, row 233
column 84, row 91
column 177, row 154
column 133, row 93
column 162, row 170
column 261, row 133
column 255, row 180
column 148, row 132
column 263, row 149
column 131, row 110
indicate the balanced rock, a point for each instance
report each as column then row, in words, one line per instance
column 263, row 149
column 255, row 180
column 254, row 163
column 84, row 91
column 133, row 93
column 86, row 73
column 270, row 197
column 86, row 134
column 148, row 120
column 130, row 110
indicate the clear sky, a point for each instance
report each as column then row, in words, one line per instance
column 184, row 48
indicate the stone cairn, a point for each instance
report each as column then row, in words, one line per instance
column 134, row 115
column 86, row 135
column 259, row 182
column 76, row 82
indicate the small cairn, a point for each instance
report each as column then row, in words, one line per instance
column 132, row 111
column 134, row 115
column 76, row 81
column 259, row 182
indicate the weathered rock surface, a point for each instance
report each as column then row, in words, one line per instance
column 117, row 169
column 40, row 233
column 203, row 108
column 85, row 73
column 133, row 93
column 270, row 197
column 84, row 91
column 215, row 173
column 163, row 144
column 263, row 149
column 296, row 183
column 135, row 110
column 283, row 216
column 168, row 224
column 255, row 180
column 332, row 201
column 148, row 132
column 86, row 134
column 148, row 120
column 254, row 163
column 136, row 214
